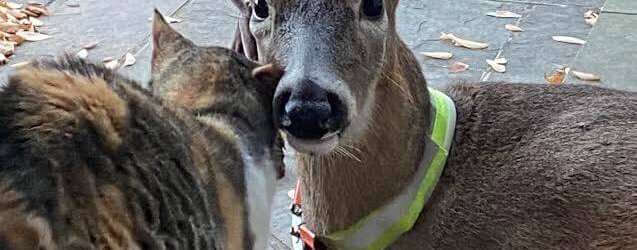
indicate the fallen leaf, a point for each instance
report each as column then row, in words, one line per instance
column 30, row 13
column 513, row 28
column 129, row 60
column 586, row 76
column 9, row 27
column 558, row 76
column 504, row 14
column 73, row 4
column 462, row 42
column 11, row 18
column 32, row 36
column 438, row 55
column 590, row 17
column 17, row 14
column 569, row 39
column 170, row 19
column 82, row 54
column 108, row 59
column 40, row 10
column 20, row 64
column 36, row 22
column 12, row 5
column 15, row 39
column 7, row 48
column 457, row 67
column 500, row 60
column 112, row 64
column 90, row 45
column 497, row 67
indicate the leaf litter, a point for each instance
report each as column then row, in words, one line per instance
column 462, row 42
column 557, row 76
column 19, row 23
column 504, row 14
column 438, row 55
column 569, row 39
column 457, row 67
column 586, row 76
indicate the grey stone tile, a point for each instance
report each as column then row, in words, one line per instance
column 421, row 22
column 205, row 22
column 611, row 52
column 119, row 26
column 621, row 6
column 583, row 3
column 533, row 52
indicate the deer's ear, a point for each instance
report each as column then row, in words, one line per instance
column 166, row 41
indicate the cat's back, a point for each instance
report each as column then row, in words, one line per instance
column 93, row 155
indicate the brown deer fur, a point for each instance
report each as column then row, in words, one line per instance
column 531, row 166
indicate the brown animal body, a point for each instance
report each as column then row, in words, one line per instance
column 89, row 160
column 531, row 166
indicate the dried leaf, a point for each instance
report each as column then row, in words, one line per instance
column 30, row 13
column 14, row 6
column 17, row 14
column 91, row 45
column 9, row 27
column 497, row 67
column 500, row 60
column 170, row 19
column 558, row 76
column 438, row 55
column 35, row 2
column 15, row 39
column 111, row 64
column 504, row 14
column 40, row 10
column 590, row 17
column 20, row 64
column 513, row 28
column 463, row 42
column 82, row 54
column 456, row 67
column 568, row 39
column 108, row 59
column 129, row 59
column 7, row 48
column 36, row 22
column 32, row 36
column 586, row 76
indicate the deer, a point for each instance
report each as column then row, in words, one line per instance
column 385, row 162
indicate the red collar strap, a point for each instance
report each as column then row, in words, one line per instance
column 301, row 231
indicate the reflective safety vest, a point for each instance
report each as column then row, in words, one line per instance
column 382, row 227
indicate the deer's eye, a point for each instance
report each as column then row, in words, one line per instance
column 373, row 8
column 261, row 10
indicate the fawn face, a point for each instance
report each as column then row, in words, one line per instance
column 333, row 53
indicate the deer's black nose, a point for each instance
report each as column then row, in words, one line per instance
column 308, row 111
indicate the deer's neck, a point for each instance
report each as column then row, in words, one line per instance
column 342, row 188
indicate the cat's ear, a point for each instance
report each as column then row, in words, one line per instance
column 167, row 42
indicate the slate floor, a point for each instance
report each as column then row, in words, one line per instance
column 123, row 26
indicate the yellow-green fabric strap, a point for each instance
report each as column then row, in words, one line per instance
column 440, row 136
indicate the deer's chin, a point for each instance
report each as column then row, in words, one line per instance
column 319, row 147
